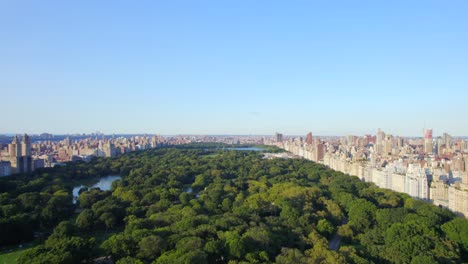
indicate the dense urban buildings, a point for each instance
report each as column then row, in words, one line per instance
column 427, row 168
column 22, row 156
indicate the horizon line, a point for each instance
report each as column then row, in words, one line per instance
column 215, row 134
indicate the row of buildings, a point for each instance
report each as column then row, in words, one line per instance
column 427, row 168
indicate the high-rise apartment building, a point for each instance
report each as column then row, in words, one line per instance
column 309, row 138
column 67, row 141
column 109, row 149
column 380, row 137
column 447, row 140
column 400, row 142
column 378, row 147
column 20, row 155
column 388, row 144
column 417, row 182
column 428, row 141
column 279, row 137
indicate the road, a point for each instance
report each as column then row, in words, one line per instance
column 334, row 243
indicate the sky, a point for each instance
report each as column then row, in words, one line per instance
column 234, row 67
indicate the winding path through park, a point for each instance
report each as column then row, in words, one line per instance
column 334, row 243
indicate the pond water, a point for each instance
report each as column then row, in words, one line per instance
column 104, row 183
column 190, row 190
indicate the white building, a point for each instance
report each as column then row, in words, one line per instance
column 417, row 182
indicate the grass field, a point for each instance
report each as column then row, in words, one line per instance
column 10, row 257
column 11, row 254
column 212, row 155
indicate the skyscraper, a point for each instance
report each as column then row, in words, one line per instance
column 319, row 151
column 109, row 149
column 67, row 141
column 428, row 141
column 20, row 155
column 279, row 137
column 379, row 141
column 26, row 146
column 14, row 148
column 380, row 137
column 309, row 138
column 447, row 140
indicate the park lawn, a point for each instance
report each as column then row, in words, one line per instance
column 11, row 257
column 212, row 155
column 11, row 254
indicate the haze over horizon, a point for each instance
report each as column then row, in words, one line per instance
column 240, row 67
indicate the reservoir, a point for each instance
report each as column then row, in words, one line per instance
column 246, row 148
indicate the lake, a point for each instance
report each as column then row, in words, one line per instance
column 104, row 184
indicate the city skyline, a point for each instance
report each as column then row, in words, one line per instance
column 304, row 134
column 433, row 169
column 242, row 68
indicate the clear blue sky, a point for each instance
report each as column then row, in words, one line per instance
column 234, row 67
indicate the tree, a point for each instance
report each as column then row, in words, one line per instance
column 290, row 256
column 184, row 198
column 29, row 200
column 151, row 247
column 120, row 245
column 320, row 253
column 325, row 227
column 64, row 229
column 235, row 244
column 213, row 249
column 386, row 217
column 361, row 215
column 346, row 232
column 352, row 255
column 129, row 260
column 457, row 230
column 226, row 204
column 73, row 250
column 188, row 244
column 422, row 259
column 87, row 198
column 58, row 208
column 85, row 219
column 177, row 256
column 108, row 219
column 403, row 241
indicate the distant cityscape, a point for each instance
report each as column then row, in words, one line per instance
column 433, row 169
column 20, row 154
